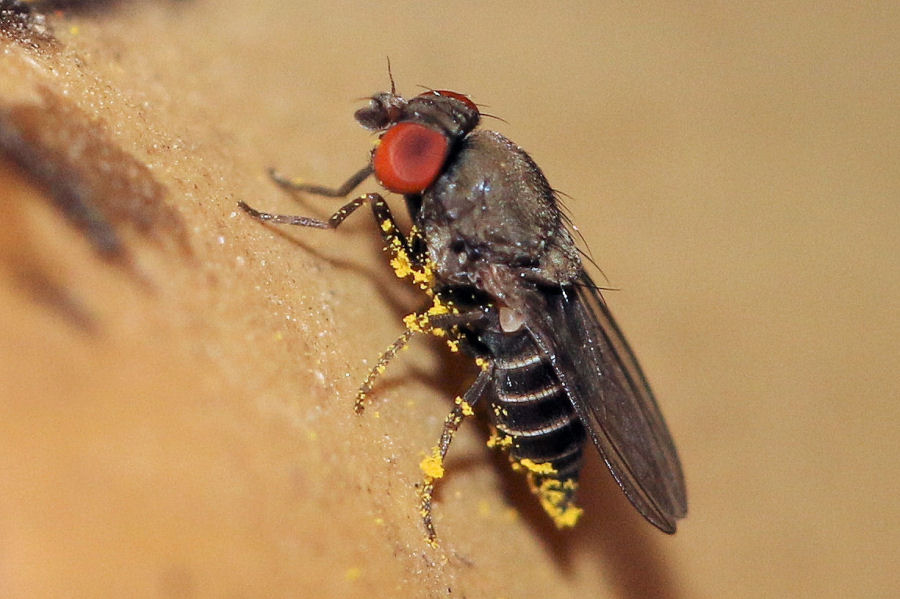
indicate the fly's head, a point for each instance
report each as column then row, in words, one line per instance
column 418, row 135
column 383, row 110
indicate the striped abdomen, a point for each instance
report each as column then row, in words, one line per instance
column 536, row 422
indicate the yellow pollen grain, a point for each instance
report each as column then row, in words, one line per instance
column 401, row 265
column 353, row 573
column 424, row 278
column 567, row 517
column 438, row 307
column 433, row 466
column 532, row 466
column 556, row 499
column 498, row 440
column 411, row 322
column 466, row 407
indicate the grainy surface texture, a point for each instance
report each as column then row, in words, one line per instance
column 176, row 413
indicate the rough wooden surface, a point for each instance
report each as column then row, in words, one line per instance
column 179, row 423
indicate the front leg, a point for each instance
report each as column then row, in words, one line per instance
column 342, row 191
column 393, row 238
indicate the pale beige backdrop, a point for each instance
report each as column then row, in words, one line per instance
column 733, row 169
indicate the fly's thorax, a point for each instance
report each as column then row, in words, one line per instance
column 454, row 115
column 491, row 220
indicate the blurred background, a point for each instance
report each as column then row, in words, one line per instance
column 732, row 168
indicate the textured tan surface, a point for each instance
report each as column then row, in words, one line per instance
column 733, row 170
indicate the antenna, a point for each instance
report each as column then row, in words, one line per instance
column 391, row 77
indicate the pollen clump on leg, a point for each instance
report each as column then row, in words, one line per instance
column 401, row 265
column 464, row 406
column 433, row 465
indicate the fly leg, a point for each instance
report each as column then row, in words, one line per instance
column 329, row 192
column 383, row 360
column 405, row 262
column 307, row 221
column 433, row 465
column 434, row 321
column 394, row 240
column 441, row 321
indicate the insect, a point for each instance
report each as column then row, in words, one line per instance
column 506, row 286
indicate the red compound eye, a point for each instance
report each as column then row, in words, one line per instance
column 410, row 157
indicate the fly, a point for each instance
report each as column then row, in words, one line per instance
column 506, row 286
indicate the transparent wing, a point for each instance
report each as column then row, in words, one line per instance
column 613, row 399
